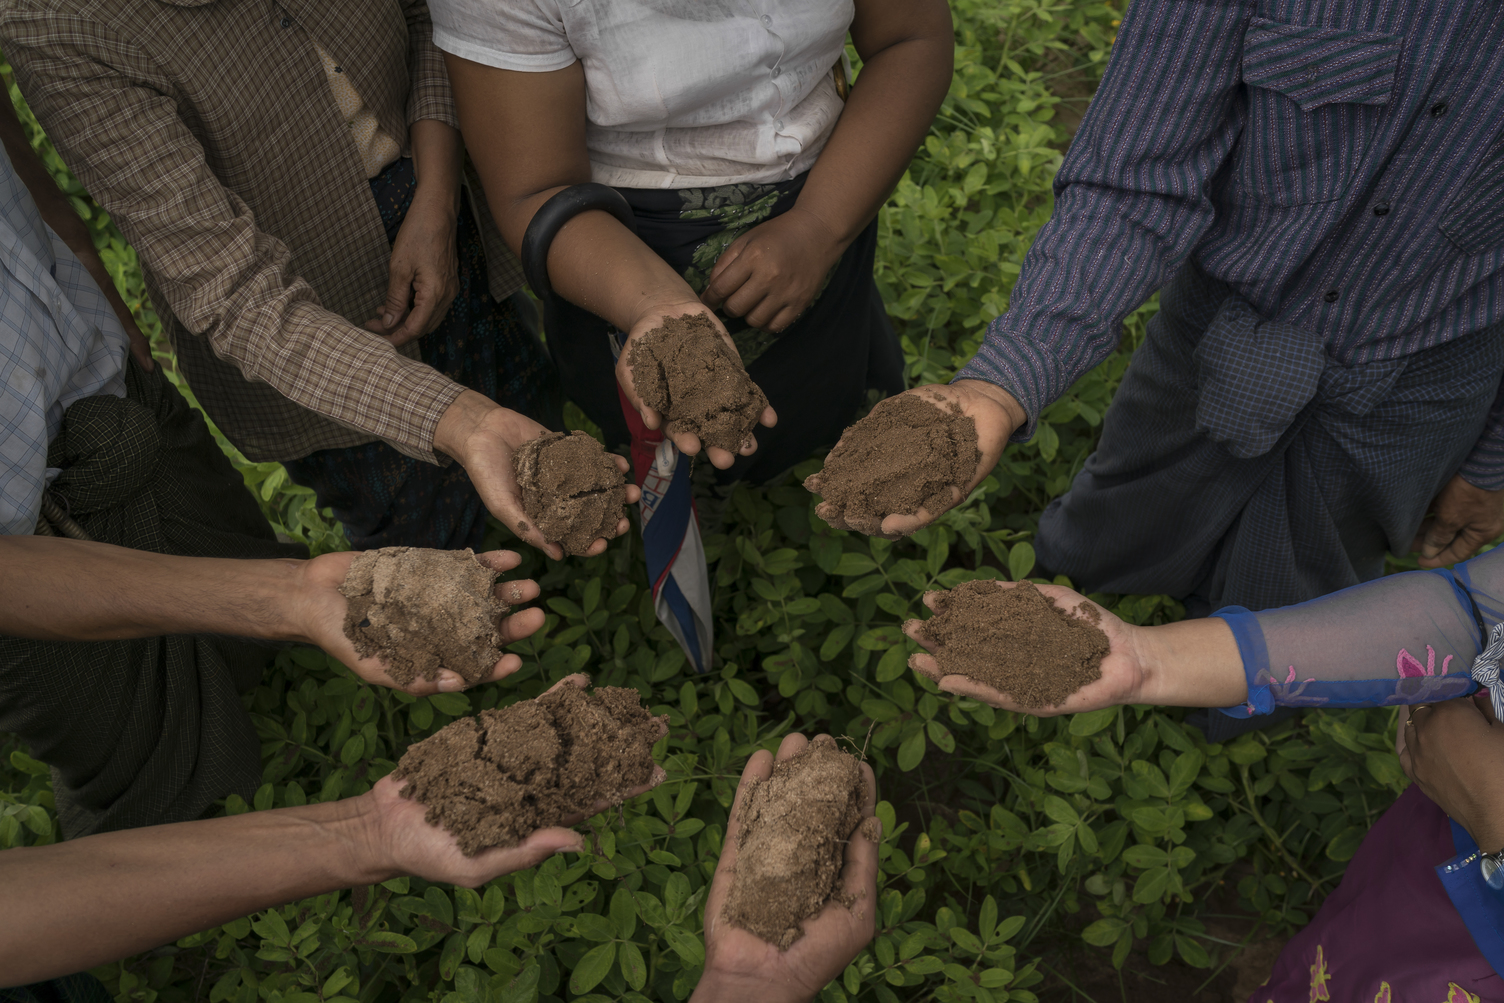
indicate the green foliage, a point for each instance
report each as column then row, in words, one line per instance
column 1005, row 835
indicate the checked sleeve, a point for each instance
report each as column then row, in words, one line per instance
column 1130, row 198
column 1403, row 639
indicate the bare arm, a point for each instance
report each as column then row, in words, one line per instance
column 771, row 274
column 54, row 589
column 526, row 134
column 58, row 213
column 1192, row 663
column 99, row 898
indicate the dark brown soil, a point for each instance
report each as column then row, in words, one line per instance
column 1016, row 640
column 906, row 455
column 422, row 611
column 686, row 372
column 494, row 778
column 792, row 841
column 571, row 489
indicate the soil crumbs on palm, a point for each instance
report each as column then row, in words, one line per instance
column 686, row 372
column 906, row 455
column 494, row 778
column 1016, row 640
column 570, row 489
column 792, row 841
column 422, row 611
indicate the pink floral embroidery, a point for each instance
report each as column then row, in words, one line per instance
column 1384, row 995
column 1410, row 667
column 1457, row 994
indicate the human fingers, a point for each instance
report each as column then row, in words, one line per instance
column 731, row 272
column 521, row 625
column 914, row 631
column 516, row 593
column 795, row 743
column 720, row 458
column 768, row 418
column 900, row 524
column 1464, row 545
column 499, row 560
column 925, row 664
column 1439, row 535
column 634, row 493
column 747, row 300
column 424, row 315
column 961, row 686
column 532, row 851
column 788, row 313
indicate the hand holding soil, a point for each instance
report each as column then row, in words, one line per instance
column 494, row 778
column 426, row 621
column 683, row 373
column 743, row 965
column 913, row 457
column 573, row 491
column 1038, row 649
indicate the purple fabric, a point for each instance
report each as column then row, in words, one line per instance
column 1389, row 933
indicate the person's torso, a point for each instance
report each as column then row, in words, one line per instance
column 685, row 93
column 1364, row 198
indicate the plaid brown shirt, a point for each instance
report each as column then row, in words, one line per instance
column 208, row 131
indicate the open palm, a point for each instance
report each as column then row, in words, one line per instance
column 323, row 617
column 1122, row 669
column 741, row 965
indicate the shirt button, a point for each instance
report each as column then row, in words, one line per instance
column 1381, row 209
column 766, row 20
column 1438, row 109
column 778, row 124
column 1332, row 296
column 777, row 74
column 286, row 22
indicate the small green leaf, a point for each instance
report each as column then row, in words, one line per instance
column 633, row 968
column 1021, row 559
column 592, row 968
column 387, row 942
column 1092, row 721
column 911, row 752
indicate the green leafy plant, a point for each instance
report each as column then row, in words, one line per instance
column 1006, row 836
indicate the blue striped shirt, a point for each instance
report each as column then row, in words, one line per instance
column 1338, row 164
column 59, row 342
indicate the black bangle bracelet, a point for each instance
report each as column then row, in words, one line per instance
column 550, row 219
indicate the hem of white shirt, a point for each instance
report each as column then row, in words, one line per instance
column 542, row 62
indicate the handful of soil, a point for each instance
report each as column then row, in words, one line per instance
column 686, row 372
column 792, row 841
column 1016, row 640
column 906, row 455
column 422, row 611
column 494, row 778
column 570, row 489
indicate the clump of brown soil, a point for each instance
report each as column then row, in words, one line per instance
column 906, row 455
column 424, row 610
column 494, row 778
column 792, row 841
column 686, row 372
column 570, row 489
column 1016, row 640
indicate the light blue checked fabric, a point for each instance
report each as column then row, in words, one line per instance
column 1337, row 164
column 59, row 342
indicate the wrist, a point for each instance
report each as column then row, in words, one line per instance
column 460, row 421
column 360, row 855
column 668, row 300
column 998, row 396
column 1192, row 663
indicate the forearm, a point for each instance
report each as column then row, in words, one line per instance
column 886, row 117
column 1192, row 663
column 135, row 593
column 437, row 158
column 95, row 899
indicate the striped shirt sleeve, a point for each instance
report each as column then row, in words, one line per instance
column 1130, row 198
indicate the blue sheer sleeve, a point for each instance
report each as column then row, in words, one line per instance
column 1404, row 639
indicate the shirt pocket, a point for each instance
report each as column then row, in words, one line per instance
column 1475, row 221
column 1314, row 97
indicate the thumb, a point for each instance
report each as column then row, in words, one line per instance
column 398, row 292
column 1438, row 535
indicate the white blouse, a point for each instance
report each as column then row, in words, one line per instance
column 680, row 93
